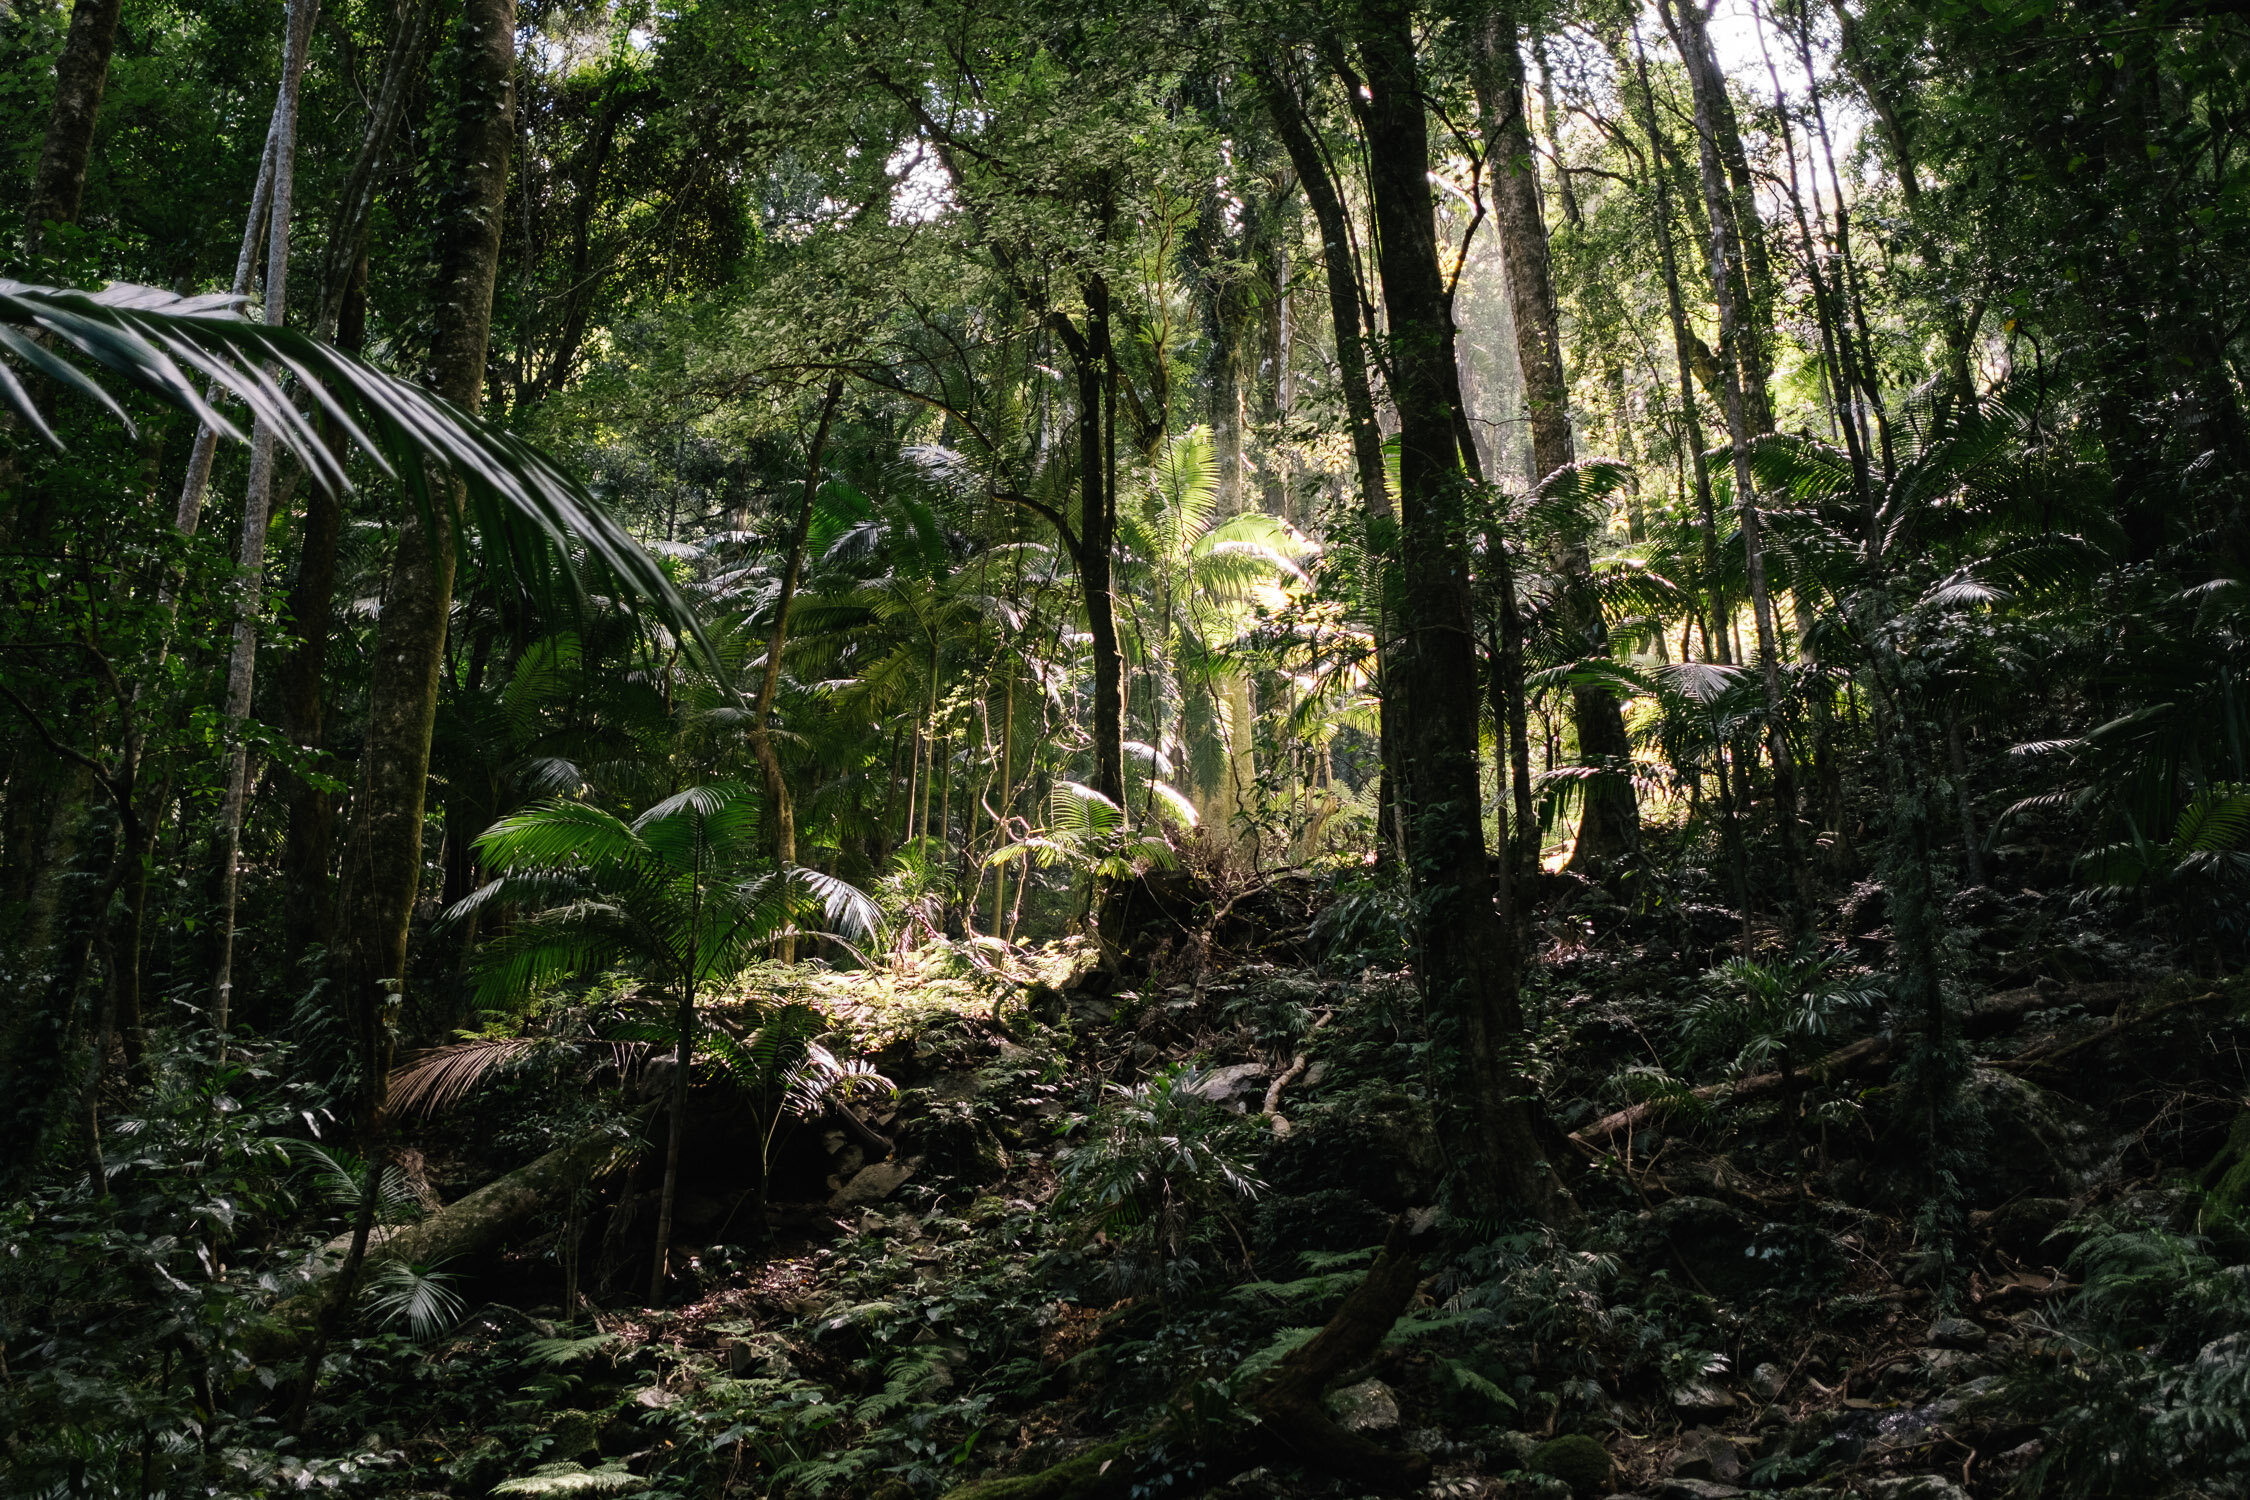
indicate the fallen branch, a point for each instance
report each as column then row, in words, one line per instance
column 1272, row 1111
column 1858, row 1057
column 1295, row 1070
column 2049, row 1053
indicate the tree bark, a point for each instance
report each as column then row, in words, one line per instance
column 383, row 849
column 1467, row 959
column 1750, row 341
column 58, row 186
column 1609, row 826
column 1346, row 297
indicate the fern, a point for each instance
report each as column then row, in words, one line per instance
column 905, row 1380
column 570, row 1479
column 554, row 1353
column 1276, row 1349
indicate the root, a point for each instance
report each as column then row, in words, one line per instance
column 1292, row 1426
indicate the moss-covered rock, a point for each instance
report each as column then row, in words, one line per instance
column 572, row 1433
column 1576, row 1460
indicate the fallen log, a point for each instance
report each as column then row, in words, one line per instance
column 476, row 1225
column 1291, row 1426
column 2051, row 1052
column 1857, row 1057
column 1989, row 1017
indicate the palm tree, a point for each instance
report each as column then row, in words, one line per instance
column 1199, row 576
column 674, row 891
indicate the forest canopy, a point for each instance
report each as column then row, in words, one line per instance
column 1481, row 747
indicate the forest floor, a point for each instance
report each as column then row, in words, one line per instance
column 1760, row 1297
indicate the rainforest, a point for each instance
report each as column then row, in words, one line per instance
column 1125, row 749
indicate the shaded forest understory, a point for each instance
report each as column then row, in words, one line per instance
column 1103, row 1207
column 1033, row 749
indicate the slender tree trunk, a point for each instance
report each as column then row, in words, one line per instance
column 1610, row 824
column 308, row 846
column 1097, row 542
column 675, row 1134
column 257, row 510
column 188, row 515
column 383, row 849
column 81, row 74
column 781, row 814
column 1751, row 338
column 1007, row 801
column 1726, row 278
column 1691, row 420
column 1957, row 761
column 1467, row 961
column 1346, row 297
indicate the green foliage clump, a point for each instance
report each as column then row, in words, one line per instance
column 2157, row 1394
column 1160, row 1162
column 1576, row 1460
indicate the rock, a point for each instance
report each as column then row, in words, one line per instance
column 1957, row 1333
column 1576, row 1460
column 1768, row 1380
column 765, row 1356
column 571, row 1433
column 2223, row 1186
column 1716, row 1246
column 2022, row 1226
column 1233, row 1086
column 1951, row 1366
column 1706, row 1455
column 1251, row 1484
column 2038, row 1143
column 1369, row 1406
column 1702, row 1398
column 1513, row 1450
column 1912, row 1487
column 872, row 1184
column 1697, row 1489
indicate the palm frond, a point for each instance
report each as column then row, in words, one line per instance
column 145, row 336
column 432, row 1082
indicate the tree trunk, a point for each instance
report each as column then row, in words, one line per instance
column 1467, row 959
column 383, row 850
column 81, row 74
column 1097, row 540
column 461, row 1231
column 257, row 510
column 1610, row 824
column 1345, row 299
column 675, row 1134
column 1726, row 279
column 1691, row 420
column 308, row 846
column 1752, row 336
column 781, row 814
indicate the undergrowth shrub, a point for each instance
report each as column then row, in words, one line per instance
column 1158, row 1168
column 2154, row 1396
